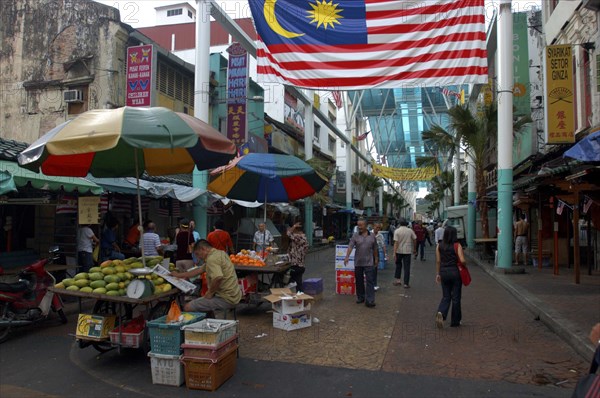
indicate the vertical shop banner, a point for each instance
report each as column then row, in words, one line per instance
column 237, row 88
column 293, row 112
column 559, row 95
column 140, row 75
column 521, row 89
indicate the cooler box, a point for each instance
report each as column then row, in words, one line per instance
column 210, row 332
column 313, row 286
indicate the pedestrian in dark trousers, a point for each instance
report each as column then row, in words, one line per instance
column 420, row 232
column 404, row 245
column 447, row 255
column 366, row 259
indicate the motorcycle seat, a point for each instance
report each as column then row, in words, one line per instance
column 15, row 287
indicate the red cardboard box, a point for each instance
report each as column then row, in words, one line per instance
column 248, row 283
column 348, row 288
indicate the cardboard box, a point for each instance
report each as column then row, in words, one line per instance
column 344, row 276
column 94, row 327
column 288, row 322
column 284, row 301
column 348, row 288
column 248, row 284
column 340, row 255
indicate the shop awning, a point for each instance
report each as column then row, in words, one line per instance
column 11, row 173
column 118, row 185
column 175, row 191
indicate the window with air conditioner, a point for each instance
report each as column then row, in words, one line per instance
column 73, row 96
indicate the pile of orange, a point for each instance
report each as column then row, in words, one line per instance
column 241, row 259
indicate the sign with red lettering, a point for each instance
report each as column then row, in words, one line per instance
column 139, row 75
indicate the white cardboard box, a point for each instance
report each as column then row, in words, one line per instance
column 284, row 301
column 288, row 322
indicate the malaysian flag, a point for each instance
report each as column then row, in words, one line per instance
column 362, row 136
column 587, row 203
column 103, row 205
column 66, row 205
column 560, row 207
column 337, row 98
column 359, row 44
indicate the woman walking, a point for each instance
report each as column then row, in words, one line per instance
column 297, row 252
column 447, row 255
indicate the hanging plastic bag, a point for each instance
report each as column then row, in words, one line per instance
column 96, row 253
column 174, row 312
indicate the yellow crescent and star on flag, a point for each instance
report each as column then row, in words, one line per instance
column 323, row 13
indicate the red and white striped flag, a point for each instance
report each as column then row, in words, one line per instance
column 66, row 205
column 337, row 98
column 560, row 207
column 121, row 204
column 362, row 136
column 360, row 44
column 103, row 205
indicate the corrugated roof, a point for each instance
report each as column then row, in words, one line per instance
column 9, row 149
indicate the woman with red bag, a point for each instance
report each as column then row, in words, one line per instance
column 447, row 255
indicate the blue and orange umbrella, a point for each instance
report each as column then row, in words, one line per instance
column 266, row 177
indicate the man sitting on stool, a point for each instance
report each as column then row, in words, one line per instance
column 223, row 290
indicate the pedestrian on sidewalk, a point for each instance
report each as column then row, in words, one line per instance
column 381, row 248
column 447, row 255
column 86, row 240
column 520, row 236
column 439, row 233
column 404, row 245
column 297, row 252
column 366, row 258
column 421, row 235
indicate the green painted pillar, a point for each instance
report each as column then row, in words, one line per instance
column 471, row 220
column 505, row 225
column 308, row 220
column 199, row 180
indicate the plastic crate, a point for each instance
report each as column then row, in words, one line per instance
column 132, row 340
column 166, row 369
column 205, row 374
column 210, row 332
column 166, row 338
column 209, row 352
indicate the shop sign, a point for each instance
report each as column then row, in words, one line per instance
column 237, row 88
column 88, row 210
column 140, row 76
column 559, row 95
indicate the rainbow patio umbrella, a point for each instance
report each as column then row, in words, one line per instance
column 127, row 141
column 266, row 177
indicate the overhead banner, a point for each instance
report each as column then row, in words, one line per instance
column 422, row 174
column 559, row 95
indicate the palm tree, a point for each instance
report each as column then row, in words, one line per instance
column 477, row 133
column 395, row 201
column 365, row 183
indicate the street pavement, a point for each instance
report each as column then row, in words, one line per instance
column 504, row 348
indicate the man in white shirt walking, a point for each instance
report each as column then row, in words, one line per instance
column 85, row 240
column 405, row 243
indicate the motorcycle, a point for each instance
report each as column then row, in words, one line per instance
column 29, row 301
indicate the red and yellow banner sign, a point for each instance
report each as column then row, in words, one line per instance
column 421, row 174
column 560, row 95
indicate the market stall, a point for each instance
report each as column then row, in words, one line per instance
column 256, row 281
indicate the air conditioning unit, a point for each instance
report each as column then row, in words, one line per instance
column 73, row 96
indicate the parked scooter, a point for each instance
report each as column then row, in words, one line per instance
column 28, row 301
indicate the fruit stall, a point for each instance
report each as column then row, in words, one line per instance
column 258, row 272
column 127, row 295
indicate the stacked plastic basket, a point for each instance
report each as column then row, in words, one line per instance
column 165, row 348
column 209, row 353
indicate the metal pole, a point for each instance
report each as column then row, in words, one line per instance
column 505, row 137
column 201, row 88
column 472, row 196
column 139, row 202
column 309, row 130
column 457, row 167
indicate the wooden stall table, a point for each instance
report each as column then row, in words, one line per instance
column 485, row 247
column 123, row 307
column 268, row 276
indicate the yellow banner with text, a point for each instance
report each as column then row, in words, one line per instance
column 421, row 174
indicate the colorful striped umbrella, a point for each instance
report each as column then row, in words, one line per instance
column 107, row 142
column 266, row 177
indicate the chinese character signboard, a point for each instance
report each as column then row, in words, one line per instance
column 140, row 76
column 559, row 95
column 237, row 88
column 88, row 210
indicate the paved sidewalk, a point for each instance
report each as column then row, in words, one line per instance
column 568, row 309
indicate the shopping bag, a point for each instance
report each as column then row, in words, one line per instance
column 96, row 253
column 174, row 312
column 465, row 275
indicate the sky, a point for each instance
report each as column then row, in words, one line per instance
column 140, row 13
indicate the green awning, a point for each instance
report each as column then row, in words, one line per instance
column 21, row 177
